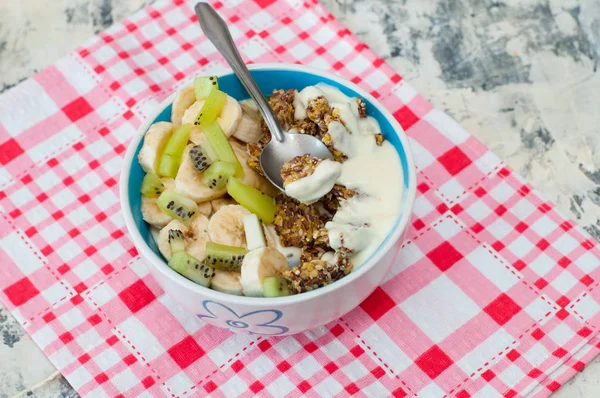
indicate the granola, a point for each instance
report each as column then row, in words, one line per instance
column 298, row 167
column 253, row 161
column 298, row 224
column 255, row 149
column 314, row 274
column 362, row 108
column 307, row 126
column 331, row 202
column 338, row 155
column 321, row 113
column 342, row 258
column 282, row 104
column 310, row 253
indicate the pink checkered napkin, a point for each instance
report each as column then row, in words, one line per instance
column 493, row 294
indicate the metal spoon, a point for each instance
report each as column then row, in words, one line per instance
column 285, row 146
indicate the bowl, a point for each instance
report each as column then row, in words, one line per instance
column 281, row 315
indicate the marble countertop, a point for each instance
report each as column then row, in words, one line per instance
column 521, row 76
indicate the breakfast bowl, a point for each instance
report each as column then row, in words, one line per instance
column 272, row 315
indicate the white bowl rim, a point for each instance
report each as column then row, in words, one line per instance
column 160, row 264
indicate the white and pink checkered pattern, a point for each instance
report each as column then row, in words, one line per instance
column 493, row 295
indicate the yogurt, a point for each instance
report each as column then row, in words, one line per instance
column 364, row 220
column 311, row 188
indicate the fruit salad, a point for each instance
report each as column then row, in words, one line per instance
column 220, row 223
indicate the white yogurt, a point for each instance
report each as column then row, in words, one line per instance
column 331, row 94
column 374, row 171
column 313, row 187
column 299, row 107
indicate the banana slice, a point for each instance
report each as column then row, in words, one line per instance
column 196, row 135
column 249, row 104
column 249, row 128
column 163, row 237
column 155, row 140
column 259, row 264
column 185, row 98
column 151, row 213
column 195, row 237
column 271, row 236
column 226, row 226
column 190, row 183
column 205, row 209
column 227, row 282
column 216, row 204
column 169, row 183
column 291, row 253
column 251, row 177
column 228, row 120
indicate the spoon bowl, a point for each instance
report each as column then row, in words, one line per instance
column 276, row 153
column 283, row 146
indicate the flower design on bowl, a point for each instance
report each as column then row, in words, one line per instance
column 255, row 322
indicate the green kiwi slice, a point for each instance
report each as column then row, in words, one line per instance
column 171, row 156
column 191, row 268
column 176, row 241
column 151, row 186
column 252, row 199
column 177, row 206
column 217, row 175
column 276, row 286
column 177, row 142
column 210, row 111
column 219, row 143
column 202, row 156
column 227, row 258
column 204, row 85
column 168, row 166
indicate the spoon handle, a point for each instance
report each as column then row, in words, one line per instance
column 215, row 29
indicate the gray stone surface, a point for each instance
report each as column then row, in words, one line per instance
column 520, row 75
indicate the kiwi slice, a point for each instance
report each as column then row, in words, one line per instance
column 189, row 266
column 202, row 156
column 171, row 156
column 168, row 166
column 210, row 111
column 204, row 85
column 219, row 143
column 227, row 258
column 276, row 286
column 176, row 241
column 177, row 206
column 252, row 199
column 217, row 175
column 177, row 142
column 151, row 186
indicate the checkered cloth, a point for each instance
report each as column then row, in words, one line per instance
column 493, row 294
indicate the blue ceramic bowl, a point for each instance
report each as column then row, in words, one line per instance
column 268, row 77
